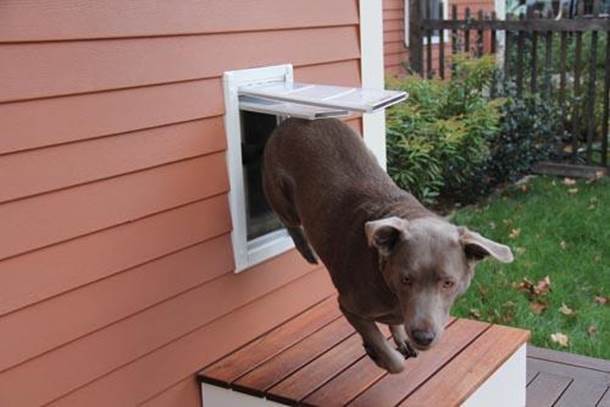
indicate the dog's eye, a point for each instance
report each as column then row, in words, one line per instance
column 406, row 280
column 448, row 284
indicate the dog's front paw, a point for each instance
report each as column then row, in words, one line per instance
column 392, row 361
column 406, row 350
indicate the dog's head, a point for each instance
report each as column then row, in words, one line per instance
column 428, row 263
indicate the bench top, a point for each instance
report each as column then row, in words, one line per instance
column 317, row 359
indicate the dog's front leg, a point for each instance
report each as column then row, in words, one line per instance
column 375, row 344
column 402, row 341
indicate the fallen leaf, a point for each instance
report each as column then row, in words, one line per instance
column 560, row 339
column 568, row 149
column 538, row 307
column 520, row 250
column 597, row 259
column 543, row 286
column 592, row 330
column 563, row 245
column 565, row 310
column 514, row 233
column 507, row 221
column 569, row 181
column 601, row 300
column 492, row 225
column 572, row 190
column 475, row 313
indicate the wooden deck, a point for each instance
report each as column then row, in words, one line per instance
column 316, row 359
column 566, row 380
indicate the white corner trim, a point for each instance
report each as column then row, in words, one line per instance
column 372, row 70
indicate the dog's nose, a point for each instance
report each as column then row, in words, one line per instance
column 421, row 337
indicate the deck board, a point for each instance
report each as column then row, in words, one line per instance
column 563, row 379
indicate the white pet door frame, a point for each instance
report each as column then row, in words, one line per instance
column 272, row 90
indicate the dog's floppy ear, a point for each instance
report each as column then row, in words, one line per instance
column 478, row 247
column 383, row 234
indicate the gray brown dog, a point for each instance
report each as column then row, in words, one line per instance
column 392, row 260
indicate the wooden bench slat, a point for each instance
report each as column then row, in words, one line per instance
column 349, row 383
column 466, row 372
column 546, row 389
column 237, row 364
column 318, row 372
column 391, row 389
column 259, row 380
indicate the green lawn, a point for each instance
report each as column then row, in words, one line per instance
column 558, row 230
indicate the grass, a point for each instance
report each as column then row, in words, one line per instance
column 556, row 230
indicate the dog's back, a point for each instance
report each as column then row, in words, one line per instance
column 320, row 174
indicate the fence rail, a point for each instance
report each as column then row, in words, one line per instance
column 526, row 47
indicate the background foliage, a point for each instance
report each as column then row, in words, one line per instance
column 450, row 140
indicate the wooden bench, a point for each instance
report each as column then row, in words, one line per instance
column 317, row 359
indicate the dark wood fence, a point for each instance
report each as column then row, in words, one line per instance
column 579, row 81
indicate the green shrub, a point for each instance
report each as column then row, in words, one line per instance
column 451, row 139
column 530, row 129
column 438, row 139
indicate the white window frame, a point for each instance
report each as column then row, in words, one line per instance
column 249, row 253
column 436, row 39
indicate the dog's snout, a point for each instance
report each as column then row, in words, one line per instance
column 422, row 337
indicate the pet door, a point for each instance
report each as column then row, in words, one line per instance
column 256, row 101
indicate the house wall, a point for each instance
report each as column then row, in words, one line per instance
column 395, row 50
column 116, row 268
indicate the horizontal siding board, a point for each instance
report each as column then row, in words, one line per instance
column 47, row 20
column 26, row 125
column 393, row 14
column 56, row 269
column 21, row 175
column 395, row 59
column 66, row 368
column 57, row 216
column 182, row 358
column 60, row 68
column 81, row 117
column 393, row 4
column 393, row 25
column 393, row 36
column 394, row 47
column 49, row 324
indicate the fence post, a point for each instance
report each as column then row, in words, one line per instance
column 416, row 51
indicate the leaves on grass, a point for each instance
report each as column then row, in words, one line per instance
column 520, row 250
column 569, row 181
column 542, row 287
column 538, row 307
column 514, row 233
column 601, row 300
column 592, row 330
column 560, row 339
column 565, row 310
column 572, row 190
column 563, row 245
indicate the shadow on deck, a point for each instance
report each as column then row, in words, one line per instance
column 565, row 379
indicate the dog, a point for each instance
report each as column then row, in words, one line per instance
column 391, row 260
